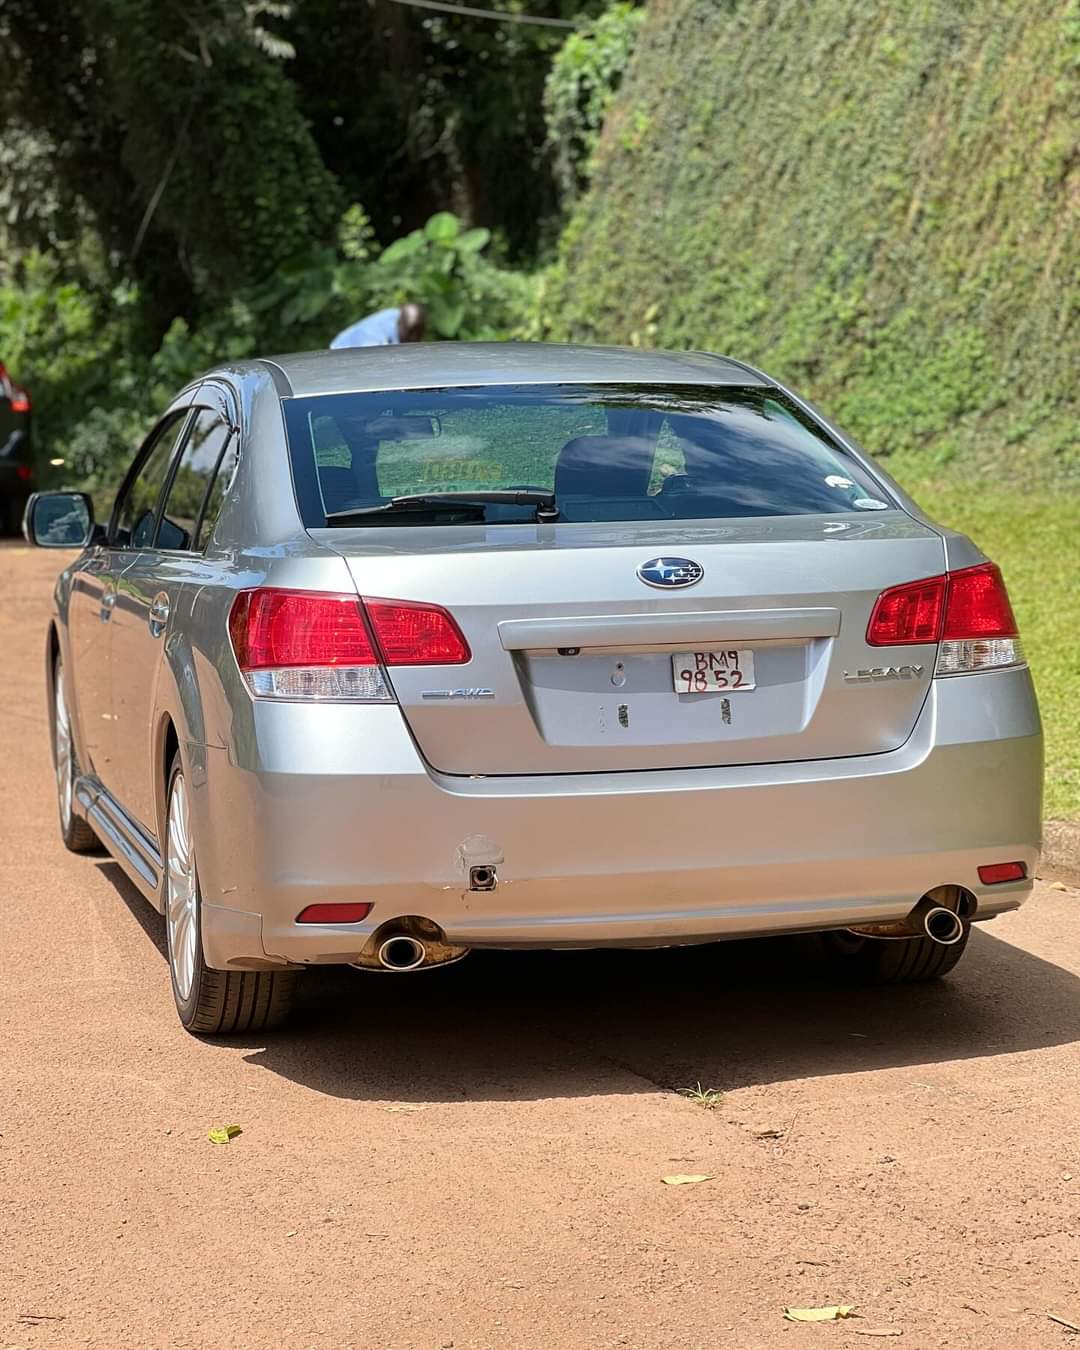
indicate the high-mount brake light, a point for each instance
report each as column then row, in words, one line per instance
column 331, row 647
column 966, row 612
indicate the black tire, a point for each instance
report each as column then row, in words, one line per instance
column 221, row 1002
column 77, row 835
column 864, row 960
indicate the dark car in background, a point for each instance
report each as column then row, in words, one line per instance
column 16, row 453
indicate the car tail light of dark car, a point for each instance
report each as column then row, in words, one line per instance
column 966, row 612
column 18, row 397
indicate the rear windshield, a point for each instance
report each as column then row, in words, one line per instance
column 606, row 453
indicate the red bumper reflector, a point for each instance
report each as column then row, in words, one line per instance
column 993, row 873
column 349, row 913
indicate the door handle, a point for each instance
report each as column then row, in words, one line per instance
column 108, row 599
column 158, row 616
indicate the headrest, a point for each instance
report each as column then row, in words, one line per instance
column 604, row 466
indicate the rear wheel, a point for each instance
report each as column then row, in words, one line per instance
column 75, row 832
column 209, row 1002
column 865, row 960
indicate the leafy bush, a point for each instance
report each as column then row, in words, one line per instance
column 582, row 82
column 442, row 266
column 97, row 387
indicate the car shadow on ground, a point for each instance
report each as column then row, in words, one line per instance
column 523, row 1025
column 144, row 914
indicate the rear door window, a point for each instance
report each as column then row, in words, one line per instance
column 198, row 485
column 136, row 509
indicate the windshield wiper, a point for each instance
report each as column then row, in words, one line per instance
column 546, row 510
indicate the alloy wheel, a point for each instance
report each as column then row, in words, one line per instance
column 181, row 889
column 63, row 752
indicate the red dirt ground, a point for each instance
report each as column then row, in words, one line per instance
column 472, row 1157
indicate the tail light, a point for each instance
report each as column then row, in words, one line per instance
column 331, row 647
column 967, row 613
column 20, row 399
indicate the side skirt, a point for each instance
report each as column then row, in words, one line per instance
column 135, row 851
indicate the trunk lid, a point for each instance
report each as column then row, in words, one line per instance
column 571, row 668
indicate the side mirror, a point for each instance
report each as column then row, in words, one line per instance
column 59, row 520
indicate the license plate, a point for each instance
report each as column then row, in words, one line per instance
column 713, row 672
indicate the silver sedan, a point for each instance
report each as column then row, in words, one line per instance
column 386, row 655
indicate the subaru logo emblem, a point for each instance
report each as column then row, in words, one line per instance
column 670, row 572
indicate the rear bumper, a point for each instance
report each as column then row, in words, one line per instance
column 335, row 804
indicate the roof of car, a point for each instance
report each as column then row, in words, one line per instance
column 438, row 365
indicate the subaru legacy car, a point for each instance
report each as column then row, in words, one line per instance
column 386, row 655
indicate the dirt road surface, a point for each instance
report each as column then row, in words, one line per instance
column 472, row 1157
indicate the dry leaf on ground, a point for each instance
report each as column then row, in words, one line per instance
column 834, row 1313
column 686, row 1178
column 221, row 1134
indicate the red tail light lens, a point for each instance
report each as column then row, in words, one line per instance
column 967, row 612
column 20, row 399
column 978, row 605
column 306, row 645
column 416, row 635
column 315, row 645
column 908, row 614
column 298, row 628
column 23, row 472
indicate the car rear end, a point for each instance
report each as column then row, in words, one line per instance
column 16, row 452
column 735, row 687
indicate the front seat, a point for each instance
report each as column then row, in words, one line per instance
column 604, row 467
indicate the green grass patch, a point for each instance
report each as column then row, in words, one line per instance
column 1034, row 537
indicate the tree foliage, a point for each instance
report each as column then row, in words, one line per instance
column 583, row 79
column 169, row 131
column 98, row 385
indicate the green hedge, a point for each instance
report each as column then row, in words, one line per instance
column 877, row 202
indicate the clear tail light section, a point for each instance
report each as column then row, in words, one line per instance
column 330, row 647
column 967, row 613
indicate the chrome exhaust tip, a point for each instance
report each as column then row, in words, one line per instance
column 401, row 952
column 943, row 926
